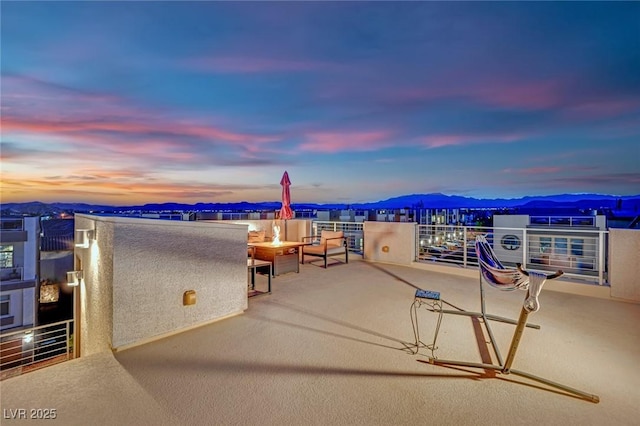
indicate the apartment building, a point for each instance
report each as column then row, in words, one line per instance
column 19, row 241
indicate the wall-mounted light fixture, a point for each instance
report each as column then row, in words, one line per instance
column 83, row 236
column 75, row 278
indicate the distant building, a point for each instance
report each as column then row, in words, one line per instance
column 570, row 243
column 19, row 241
column 56, row 259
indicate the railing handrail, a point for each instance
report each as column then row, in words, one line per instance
column 571, row 219
column 33, row 329
column 581, row 251
column 41, row 349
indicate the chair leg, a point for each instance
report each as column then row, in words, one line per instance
column 325, row 261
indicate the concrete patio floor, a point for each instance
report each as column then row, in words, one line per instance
column 332, row 347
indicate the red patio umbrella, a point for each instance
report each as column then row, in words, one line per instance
column 285, row 211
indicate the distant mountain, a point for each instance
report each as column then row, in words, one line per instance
column 436, row 200
column 548, row 201
column 39, row 208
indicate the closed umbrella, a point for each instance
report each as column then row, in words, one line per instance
column 286, row 212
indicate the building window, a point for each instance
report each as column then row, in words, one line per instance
column 560, row 246
column 6, row 256
column 5, row 300
column 577, row 247
column 545, row 244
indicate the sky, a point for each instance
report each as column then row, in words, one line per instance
column 126, row 102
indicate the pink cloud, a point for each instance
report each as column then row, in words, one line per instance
column 253, row 64
column 331, row 142
column 32, row 106
column 128, row 127
column 520, row 94
column 442, row 140
column 603, row 108
column 534, row 170
column 497, row 91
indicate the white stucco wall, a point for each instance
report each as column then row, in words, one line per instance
column 295, row 228
column 624, row 263
column 509, row 225
column 29, row 306
column 95, row 296
column 31, row 247
column 137, row 271
column 399, row 238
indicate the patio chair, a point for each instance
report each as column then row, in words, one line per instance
column 330, row 243
column 497, row 275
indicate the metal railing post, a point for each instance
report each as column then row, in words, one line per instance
column 525, row 248
column 600, row 257
column 67, row 336
column 464, row 242
column 416, row 242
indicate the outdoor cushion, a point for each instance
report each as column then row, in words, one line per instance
column 319, row 250
column 331, row 234
column 256, row 236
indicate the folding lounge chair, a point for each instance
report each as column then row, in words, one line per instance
column 497, row 275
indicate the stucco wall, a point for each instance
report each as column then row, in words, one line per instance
column 398, row 238
column 295, row 228
column 137, row 271
column 624, row 263
column 509, row 225
column 94, row 296
column 31, row 247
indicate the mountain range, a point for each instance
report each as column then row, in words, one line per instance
column 435, row 200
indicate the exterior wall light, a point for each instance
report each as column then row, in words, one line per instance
column 75, row 278
column 83, row 236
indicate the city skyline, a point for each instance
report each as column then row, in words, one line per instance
column 147, row 102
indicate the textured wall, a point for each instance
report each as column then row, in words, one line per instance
column 399, row 238
column 138, row 269
column 295, row 228
column 155, row 262
column 31, row 247
column 624, row 263
column 96, row 294
column 29, row 306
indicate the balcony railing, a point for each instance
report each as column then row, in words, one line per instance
column 34, row 348
column 12, row 274
column 11, row 224
column 571, row 221
column 580, row 253
column 352, row 230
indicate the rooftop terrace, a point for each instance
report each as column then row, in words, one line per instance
column 333, row 347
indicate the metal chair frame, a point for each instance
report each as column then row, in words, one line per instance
column 504, row 367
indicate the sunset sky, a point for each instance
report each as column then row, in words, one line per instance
column 125, row 103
